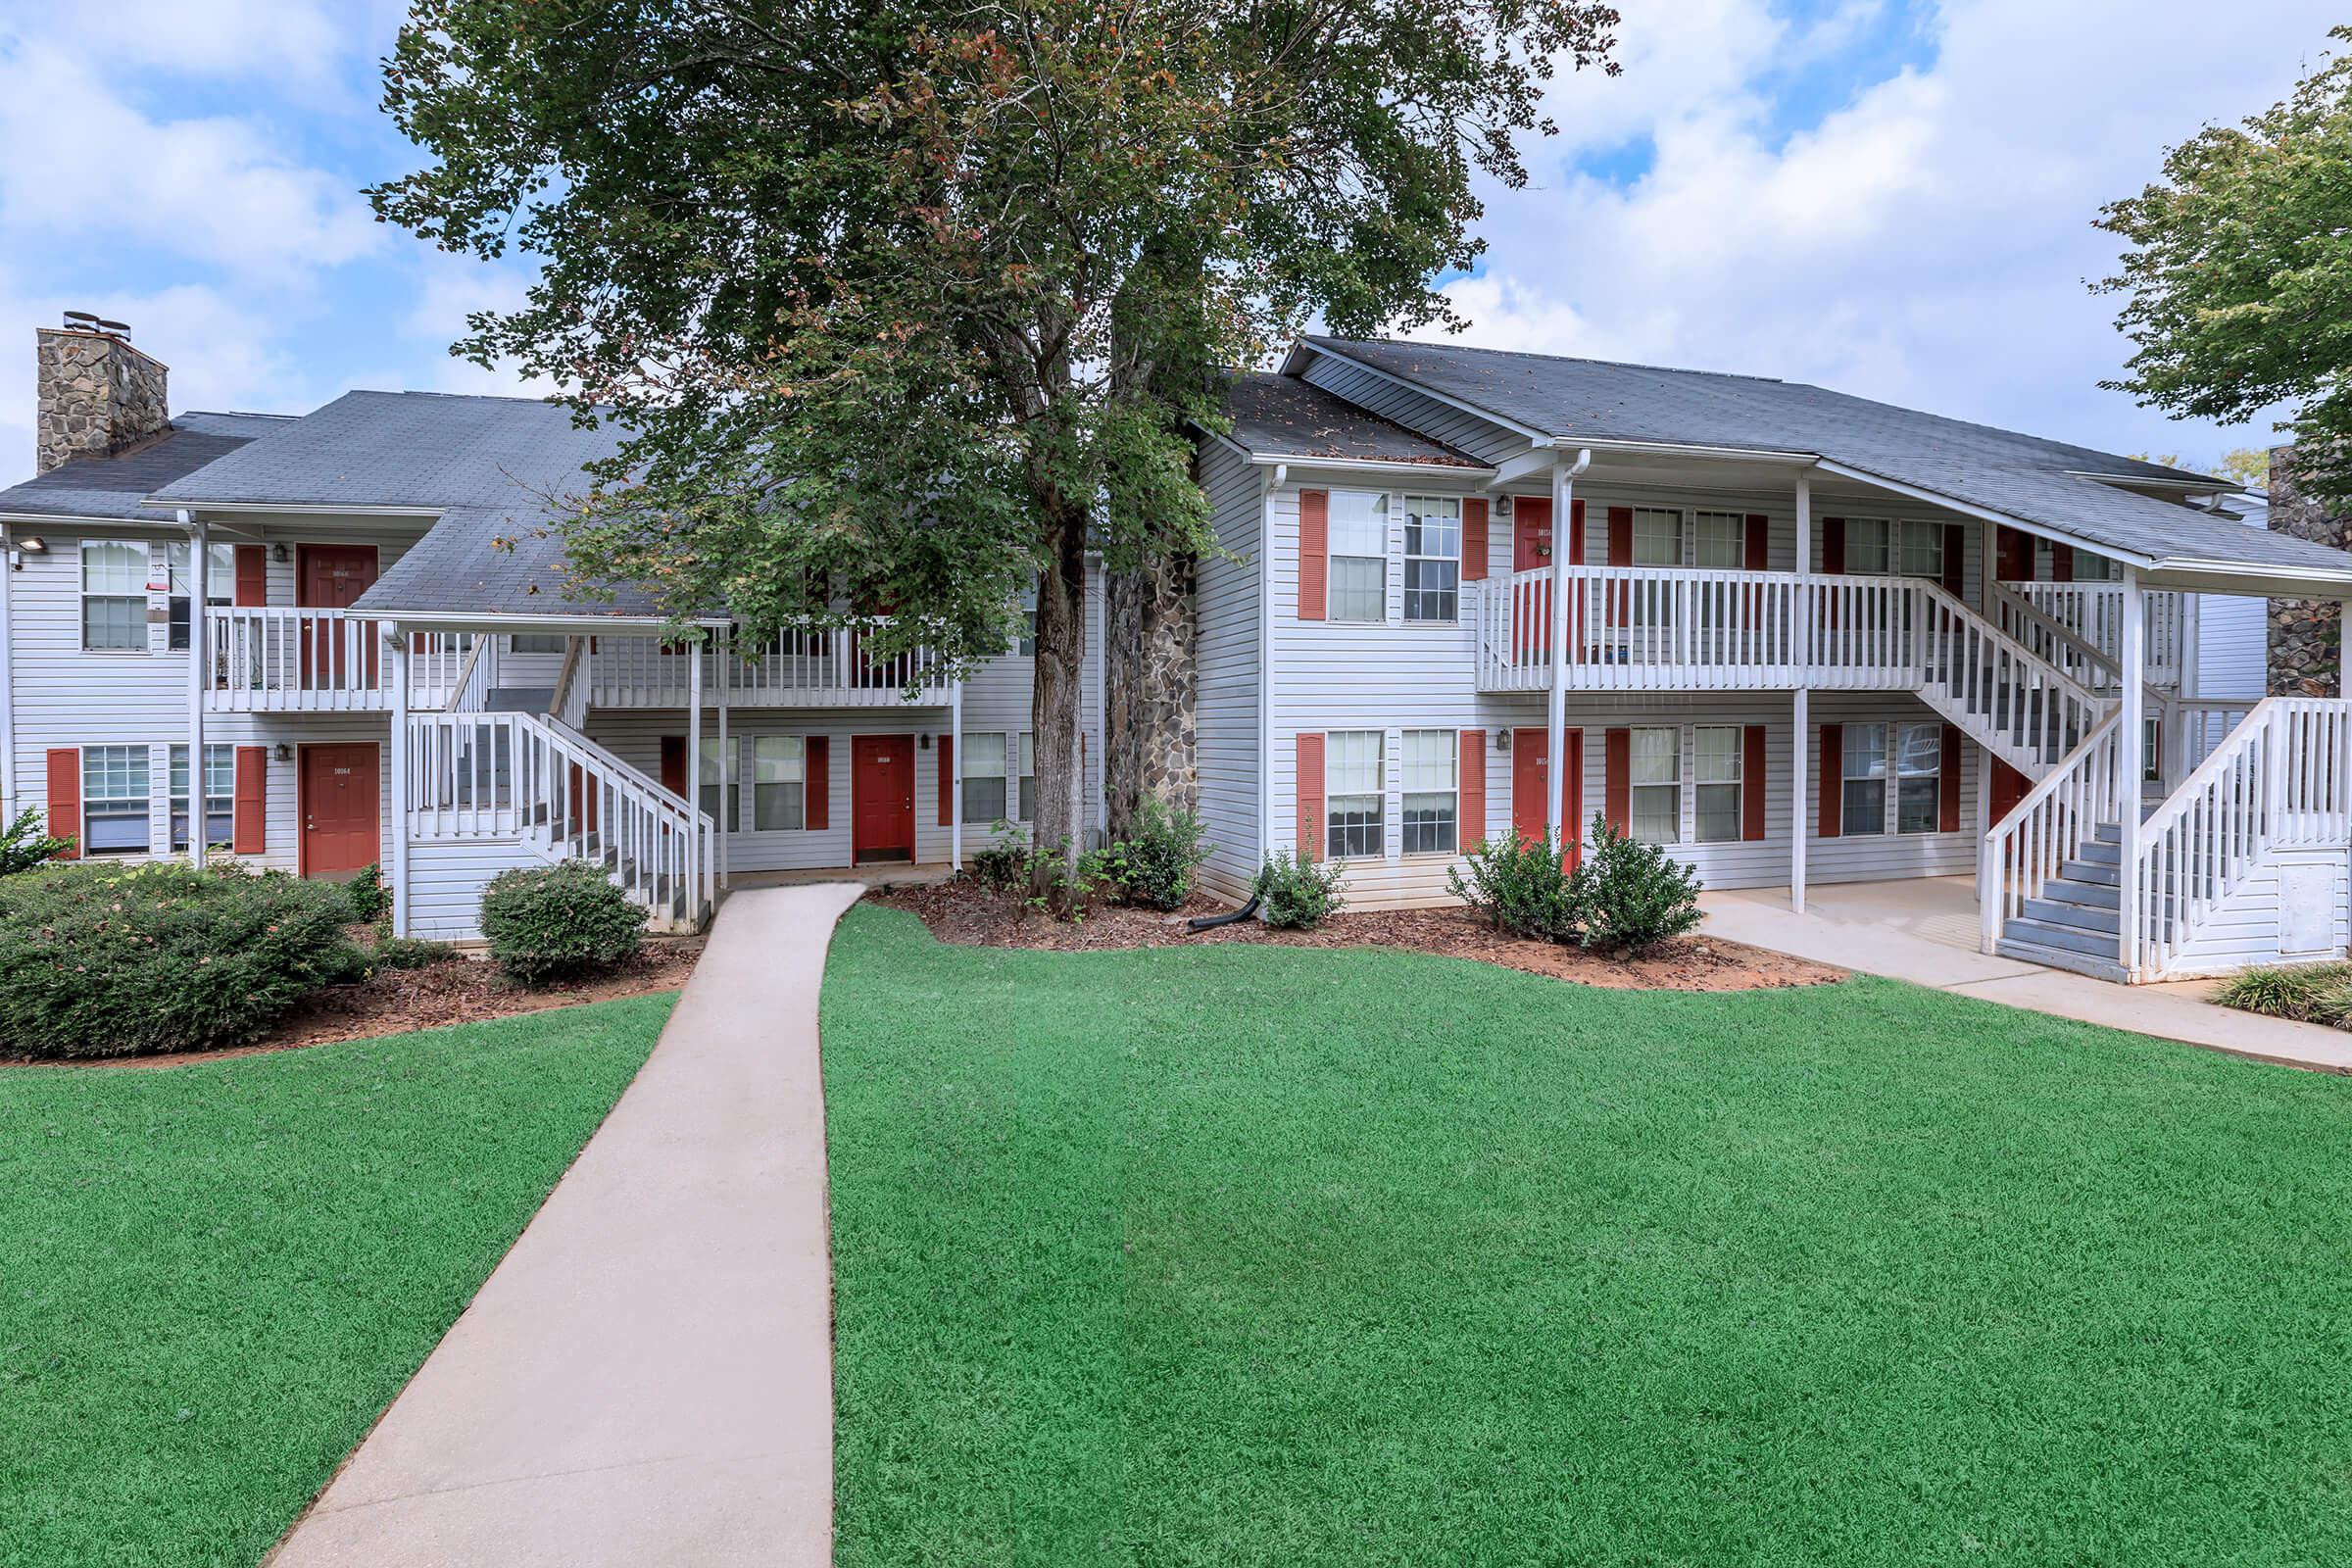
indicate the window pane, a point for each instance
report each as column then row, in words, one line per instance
column 1915, row 806
column 1658, row 537
column 113, row 799
column 114, row 623
column 221, row 571
column 536, row 643
column 1656, row 756
column 1923, row 549
column 1429, row 824
column 1431, row 590
column 1359, row 523
column 1431, row 804
column 1920, row 751
column 1919, row 760
column 984, row 756
column 984, row 797
column 1866, row 553
column 1028, row 801
column 1722, row 541
column 1865, row 806
column 1433, row 526
column 113, row 566
column 1718, row 814
column 220, row 782
column 779, row 759
column 1657, row 812
column 1354, row 826
column 1718, row 754
column 1429, row 759
column 1865, row 750
column 1360, row 588
column 1353, row 759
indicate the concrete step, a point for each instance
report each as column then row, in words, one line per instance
column 2099, row 968
column 2069, row 938
column 2079, row 917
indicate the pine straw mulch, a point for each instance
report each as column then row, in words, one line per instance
column 962, row 911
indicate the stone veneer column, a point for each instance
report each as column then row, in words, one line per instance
column 94, row 395
column 2306, row 658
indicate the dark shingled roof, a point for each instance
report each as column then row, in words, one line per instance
column 114, row 487
column 1283, row 416
column 2018, row 477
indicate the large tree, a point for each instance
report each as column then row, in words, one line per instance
column 2240, row 273
column 909, row 306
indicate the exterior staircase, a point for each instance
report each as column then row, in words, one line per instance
column 2076, row 920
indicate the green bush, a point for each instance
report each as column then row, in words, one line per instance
column 1628, row 894
column 1296, row 895
column 1004, row 866
column 26, row 843
column 2311, row 993
column 1519, row 885
column 371, row 900
column 407, row 952
column 107, row 960
column 1153, row 864
column 559, row 922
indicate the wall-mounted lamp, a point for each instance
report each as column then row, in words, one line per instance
column 1502, row 740
column 277, row 552
column 923, row 741
column 286, row 753
column 33, row 545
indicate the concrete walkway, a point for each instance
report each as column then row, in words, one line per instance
column 1925, row 931
column 648, row 1378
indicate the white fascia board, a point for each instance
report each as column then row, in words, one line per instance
column 302, row 508
column 1969, row 509
column 2250, row 579
column 35, row 522
column 1293, row 460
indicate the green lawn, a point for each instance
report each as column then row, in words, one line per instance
column 1236, row 1255
column 214, row 1277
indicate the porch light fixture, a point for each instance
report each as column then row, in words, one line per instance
column 33, row 545
column 923, row 741
column 1502, row 740
column 277, row 552
column 286, row 753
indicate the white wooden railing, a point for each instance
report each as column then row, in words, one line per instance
column 291, row 658
column 2047, row 828
column 524, row 776
column 2022, row 708
column 2093, row 612
column 2282, row 779
column 831, row 667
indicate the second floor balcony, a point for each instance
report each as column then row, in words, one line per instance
column 295, row 659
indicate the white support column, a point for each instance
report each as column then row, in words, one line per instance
column 199, row 659
column 1799, row 817
column 1555, row 724
column 2130, row 760
column 1801, row 643
column 396, row 648
column 694, row 762
column 954, row 767
column 726, row 755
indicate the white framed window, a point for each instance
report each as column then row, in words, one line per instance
column 1432, row 791
column 219, row 795
column 1028, row 776
column 114, row 800
column 1722, row 541
column 707, row 787
column 1359, row 556
column 1658, row 537
column 1922, row 545
column 1433, row 558
column 1656, row 785
column 1354, row 786
column 1718, row 754
column 219, row 584
column 1864, row 787
column 984, row 778
column 1918, row 777
column 779, row 783
column 2091, row 567
column 113, row 597
column 1869, row 547
column 536, row 642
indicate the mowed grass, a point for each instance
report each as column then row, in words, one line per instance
column 214, row 1277
column 1238, row 1255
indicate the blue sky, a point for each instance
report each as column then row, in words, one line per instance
column 1890, row 198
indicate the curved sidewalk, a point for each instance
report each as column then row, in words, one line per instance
column 647, row 1378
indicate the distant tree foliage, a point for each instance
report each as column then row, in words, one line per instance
column 921, row 302
column 2239, row 276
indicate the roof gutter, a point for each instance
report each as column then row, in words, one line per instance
column 1937, row 498
column 303, row 508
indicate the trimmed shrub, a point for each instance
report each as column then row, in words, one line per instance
column 121, row 960
column 1630, row 894
column 371, row 900
column 407, row 952
column 1153, row 864
column 1004, row 866
column 1296, row 895
column 1519, row 885
column 26, row 843
column 559, row 922
column 2311, row 993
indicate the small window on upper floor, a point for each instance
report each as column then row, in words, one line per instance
column 1658, row 537
column 219, row 584
column 1358, row 550
column 1433, row 558
column 1921, row 548
column 114, row 596
column 1722, row 541
column 1869, row 547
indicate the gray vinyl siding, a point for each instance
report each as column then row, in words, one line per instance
column 2250, row 926
column 447, row 878
column 1481, row 438
column 2232, row 646
column 1230, row 670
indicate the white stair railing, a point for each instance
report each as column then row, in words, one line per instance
column 2094, row 613
column 2047, row 829
column 2022, row 708
column 2282, row 779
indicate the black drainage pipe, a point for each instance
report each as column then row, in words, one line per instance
column 1209, row 922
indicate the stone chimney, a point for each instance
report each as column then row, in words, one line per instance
column 2307, row 635
column 97, row 394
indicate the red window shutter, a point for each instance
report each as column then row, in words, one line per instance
column 249, row 822
column 1833, row 779
column 1314, row 552
column 1621, row 536
column 1757, row 541
column 1751, row 784
column 816, row 787
column 1575, row 533
column 65, row 798
column 1947, row 784
column 1955, row 560
column 1470, row 768
column 1474, row 539
column 2062, row 563
column 947, row 780
column 1617, row 778
column 1833, row 545
column 1310, row 797
column 252, row 574
column 673, row 764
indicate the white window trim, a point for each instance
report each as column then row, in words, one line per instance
column 1404, row 789
column 1895, row 778
column 1736, row 783
column 1390, row 577
column 750, row 777
column 1002, row 772
column 83, row 595
column 1683, row 798
column 1400, row 507
column 1383, row 790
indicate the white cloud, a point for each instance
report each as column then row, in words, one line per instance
column 295, row 44
column 1926, row 244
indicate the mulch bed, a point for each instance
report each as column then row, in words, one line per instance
column 964, row 912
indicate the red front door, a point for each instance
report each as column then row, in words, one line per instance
column 341, row 831
column 330, row 577
column 1529, row 783
column 2013, row 555
column 2009, row 787
column 1530, row 551
column 881, row 797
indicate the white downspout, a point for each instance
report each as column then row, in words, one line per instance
column 1265, row 667
column 1555, row 724
column 726, row 755
column 694, row 774
column 199, row 659
column 397, row 648
column 954, row 781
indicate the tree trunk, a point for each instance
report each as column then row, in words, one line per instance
column 1149, row 748
column 1057, row 705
